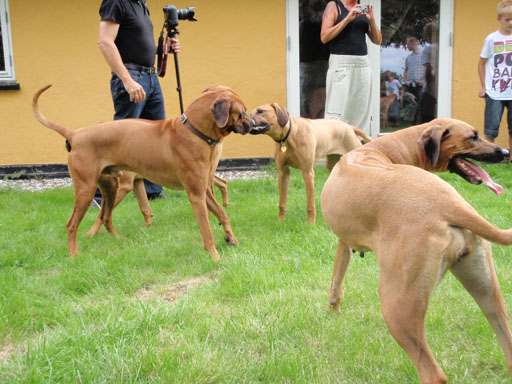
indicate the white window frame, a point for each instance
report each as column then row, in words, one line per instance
column 8, row 75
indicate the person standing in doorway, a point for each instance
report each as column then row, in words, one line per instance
column 345, row 25
column 127, row 43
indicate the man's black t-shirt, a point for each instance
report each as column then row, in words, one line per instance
column 135, row 40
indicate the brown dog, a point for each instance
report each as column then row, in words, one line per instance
column 299, row 143
column 178, row 153
column 383, row 197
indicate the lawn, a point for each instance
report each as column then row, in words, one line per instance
column 153, row 308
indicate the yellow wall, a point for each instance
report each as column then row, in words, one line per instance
column 474, row 20
column 55, row 41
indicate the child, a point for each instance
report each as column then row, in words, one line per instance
column 393, row 91
column 495, row 72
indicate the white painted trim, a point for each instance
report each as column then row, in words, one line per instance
column 444, row 94
column 292, row 57
column 8, row 74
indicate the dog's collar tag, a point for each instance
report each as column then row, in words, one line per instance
column 183, row 118
column 283, row 147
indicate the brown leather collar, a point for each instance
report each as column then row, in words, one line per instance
column 211, row 142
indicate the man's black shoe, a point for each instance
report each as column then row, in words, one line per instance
column 159, row 195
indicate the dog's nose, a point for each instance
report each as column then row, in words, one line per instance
column 506, row 152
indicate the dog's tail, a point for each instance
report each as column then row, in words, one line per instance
column 469, row 219
column 362, row 135
column 63, row 131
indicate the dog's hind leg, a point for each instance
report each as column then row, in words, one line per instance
column 108, row 186
column 309, row 181
column 84, row 194
column 477, row 274
column 408, row 276
column 221, row 215
column 142, row 199
column 343, row 255
column 222, row 184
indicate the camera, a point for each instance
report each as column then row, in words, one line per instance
column 172, row 15
column 363, row 8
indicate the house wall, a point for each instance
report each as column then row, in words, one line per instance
column 244, row 47
column 55, row 42
column 473, row 21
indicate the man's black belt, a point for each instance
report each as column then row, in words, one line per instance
column 140, row 68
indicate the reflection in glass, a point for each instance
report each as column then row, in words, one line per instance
column 409, row 63
column 314, row 59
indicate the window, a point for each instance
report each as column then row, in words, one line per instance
column 7, row 76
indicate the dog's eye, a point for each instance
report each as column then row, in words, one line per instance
column 259, row 111
column 475, row 137
column 242, row 115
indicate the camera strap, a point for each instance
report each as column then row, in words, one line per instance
column 162, row 55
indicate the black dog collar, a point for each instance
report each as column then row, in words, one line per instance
column 283, row 141
column 211, row 142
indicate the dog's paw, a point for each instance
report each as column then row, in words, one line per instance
column 334, row 307
column 230, row 239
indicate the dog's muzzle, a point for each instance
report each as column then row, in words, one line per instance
column 259, row 129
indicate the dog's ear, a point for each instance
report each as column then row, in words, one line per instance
column 430, row 141
column 282, row 114
column 220, row 110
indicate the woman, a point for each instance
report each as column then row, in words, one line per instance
column 345, row 25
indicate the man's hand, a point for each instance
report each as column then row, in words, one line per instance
column 172, row 43
column 135, row 90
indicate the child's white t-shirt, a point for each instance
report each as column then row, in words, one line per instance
column 497, row 50
column 393, row 86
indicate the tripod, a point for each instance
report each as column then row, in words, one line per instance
column 162, row 60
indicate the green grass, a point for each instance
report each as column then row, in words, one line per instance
column 125, row 311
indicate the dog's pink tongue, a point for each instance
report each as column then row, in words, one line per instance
column 486, row 179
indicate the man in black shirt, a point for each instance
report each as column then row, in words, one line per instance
column 128, row 45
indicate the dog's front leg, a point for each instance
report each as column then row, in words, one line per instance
column 309, row 181
column 283, row 179
column 198, row 202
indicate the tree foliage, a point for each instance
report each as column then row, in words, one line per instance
column 403, row 18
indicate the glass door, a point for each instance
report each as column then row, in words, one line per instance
column 409, row 66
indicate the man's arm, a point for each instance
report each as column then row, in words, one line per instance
column 107, row 46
